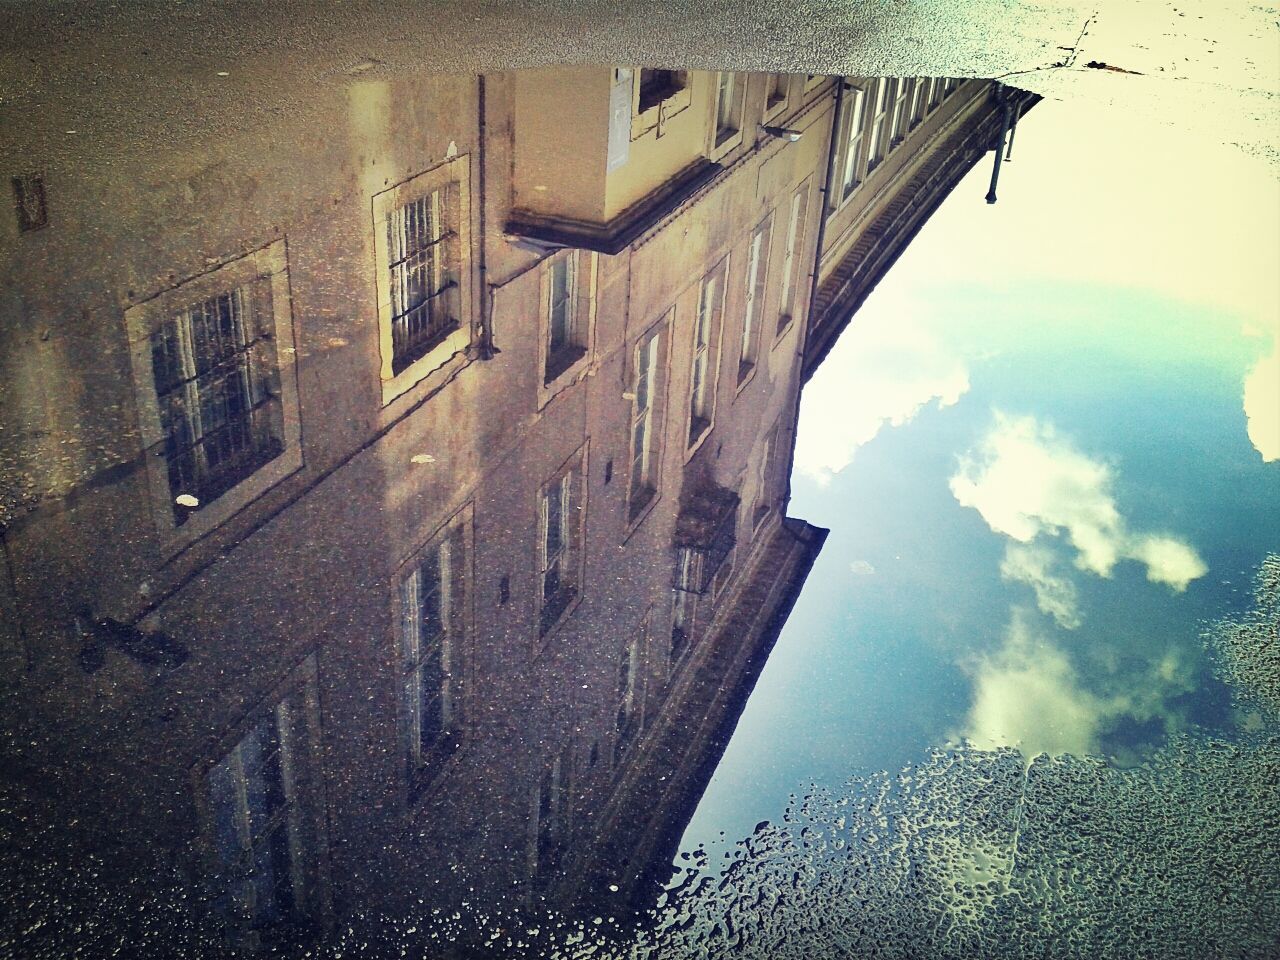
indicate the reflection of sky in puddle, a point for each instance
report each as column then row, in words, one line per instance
column 1054, row 486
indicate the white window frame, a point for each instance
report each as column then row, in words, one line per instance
column 452, row 543
column 878, row 130
column 852, row 139
column 756, row 296
column 654, row 117
column 704, row 360
column 920, row 100
column 724, row 137
column 293, row 708
column 268, row 266
column 569, row 488
column 797, row 224
column 648, row 387
column 584, row 270
column 451, row 176
column 900, row 125
column 777, row 92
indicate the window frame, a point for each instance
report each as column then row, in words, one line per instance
column 793, row 260
column 725, row 138
column 646, row 118
column 640, row 502
column 878, row 129
column 853, row 141
column 452, row 175
column 269, row 267
column 701, row 404
column 585, row 266
column 297, row 700
column 777, row 93
column 900, row 125
column 571, row 542
column 458, row 534
column 755, row 298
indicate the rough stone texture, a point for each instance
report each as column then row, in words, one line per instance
column 1248, row 650
column 88, row 67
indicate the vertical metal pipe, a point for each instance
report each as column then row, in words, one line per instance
column 1013, row 129
column 1006, row 113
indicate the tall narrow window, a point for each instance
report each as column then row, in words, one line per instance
column 920, row 99
column 424, row 303
column 630, row 693
column 951, row 85
column 564, row 334
column 257, row 825
column 431, row 633
column 792, row 261
column 702, row 387
column 852, row 130
column 901, row 110
column 683, row 607
column 775, row 91
column 935, row 91
column 764, row 481
column 643, row 476
column 753, row 312
column 550, row 817
column 561, row 519
column 728, row 107
column 214, row 369
column 879, row 130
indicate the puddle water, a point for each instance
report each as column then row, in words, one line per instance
column 611, row 512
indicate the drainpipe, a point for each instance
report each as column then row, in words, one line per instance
column 1017, row 114
column 1006, row 115
column 485, row 349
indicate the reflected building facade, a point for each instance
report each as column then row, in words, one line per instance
column 395, row 493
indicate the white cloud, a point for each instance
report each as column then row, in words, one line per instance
column 1026, row 481
column 863, row 568
column 1056, row 595
column 1262, row 403
column 878, row 374
column 1029, row 695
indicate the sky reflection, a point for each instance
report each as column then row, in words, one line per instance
column 1044, row 449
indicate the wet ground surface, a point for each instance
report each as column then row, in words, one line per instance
column 594, row 627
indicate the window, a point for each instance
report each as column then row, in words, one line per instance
column 630, row 692
column 920, row 99
column 764, row 479
column 901, row 108
column 879, row 129
column 658, row 85
column 683, row 607
column 422, row 238
column 854, row 120
column 792, row 260
column 561, row 515
column 935, row 91
column 550, row 817
column 217, row 398
column 775, row 92
column 29, row 200
column 432, row 606
column 728, row 129
column 951, row 86
column 657, row 96
column 644, row 423
column 702, row 386
column 265, row 840
column 566, row 341
column 753, row 311
column 214, row 369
